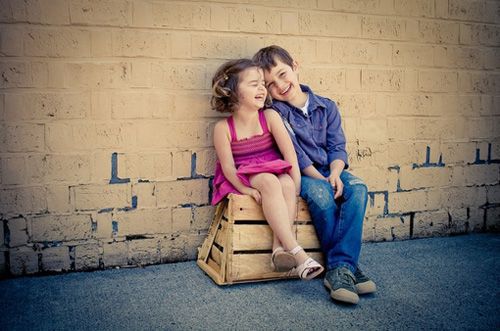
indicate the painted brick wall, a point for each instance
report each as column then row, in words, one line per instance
column 105, row 130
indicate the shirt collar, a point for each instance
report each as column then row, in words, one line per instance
column 314, row 101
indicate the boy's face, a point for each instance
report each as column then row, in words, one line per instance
column 282, row 81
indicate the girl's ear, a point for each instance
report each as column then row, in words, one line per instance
column 295, row 66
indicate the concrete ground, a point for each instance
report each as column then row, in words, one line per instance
column 439, row 283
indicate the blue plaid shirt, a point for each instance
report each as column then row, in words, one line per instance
column 318, row 138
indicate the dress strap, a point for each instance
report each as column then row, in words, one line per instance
column 232, row 131
column 263, row 121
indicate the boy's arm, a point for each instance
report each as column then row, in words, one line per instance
column 222, row 143
column 337, row 155
column 285, row 144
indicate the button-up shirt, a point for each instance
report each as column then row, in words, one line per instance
column 318, row 138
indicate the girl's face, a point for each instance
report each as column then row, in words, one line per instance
column 251, row 89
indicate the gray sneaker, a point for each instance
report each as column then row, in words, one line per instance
column 340, row 282
column 364, row 285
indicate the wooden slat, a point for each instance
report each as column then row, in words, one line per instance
column 245, row 208
column 252, row 237
column 303, row 212
column 207, row 244
column 306, row 236
column 216, row 254
column 221, row 235
column 257, row 266
column 212, row 269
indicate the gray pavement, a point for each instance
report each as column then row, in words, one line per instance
column 438, row 283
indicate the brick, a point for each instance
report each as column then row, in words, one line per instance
column 56, row 259
column 249, row 19
column 431, row 224
column 481, row 174
column 437, row 81
column 182, row 15
column 23, row 260
column 21, row 200
column 463, row 197
column 375, row 183
column 482, row 128
column 381, row 80
column 324, row 79
column 459, row 57
column 412, row 55
column 438, row 32
column 181, row 164
column 36, row 106
column 145, row 195
column 144, row 251
column 131, row 43
column 97, row 75
column 388, row 28
column 100, row 106
column 135, row 105
column 175, row 76
column 481, row 11
column 101, row 43
column 493, row 219
column 15, row 74
column 54, row 12
column 368, row 234
column 419, row 8
column 205, row 162
column 376, row 205
column 424, row 177
column 11, row 41
column 18, row 232
column 92, row 197
column 400, row 128
column 441, row 8
column 61, row 42
column 143, row 222
column 218, row 47
column 458, row 153
column 359, row 105
column 25, row 138
column 58, row 168
column 115, row 254
column 104, row 225
column 182, row 219
column 114, row 135
column 181, row 247
column 87, row 257
column 58, row 199
column 392, row 228
column 479, row 34
column 479, row 82
column 403, row 202
column 13, row 170
column 60, row 227
column 413, row 105
column 202, row 217
column 493, row 194
column 168, row 134
column 188, row 106
column 146, row 166
column 107, row 12
column 373, row 7
column 289, row 23
column 329, row 24
column 194, row 191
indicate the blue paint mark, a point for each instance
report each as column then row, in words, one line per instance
column 488, row 160
column 49, row 244
column 134, row 201
column 105, row 210
column 428, row 163
column 193, row 165
column 210, row 188
column 386, row 200
column 94, row 226
column 6, row 233
column 114, row 171
column 478, row 158
column 143, row 181
column 186, row 205
column 398, row 184
column 114, row 227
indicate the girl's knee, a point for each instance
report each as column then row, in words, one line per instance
column 269, row 183
column 287, row 183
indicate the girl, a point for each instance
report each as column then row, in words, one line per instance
column 256, row 157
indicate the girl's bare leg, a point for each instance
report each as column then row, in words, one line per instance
column 276, row 210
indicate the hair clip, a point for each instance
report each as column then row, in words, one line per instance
column 225, row 77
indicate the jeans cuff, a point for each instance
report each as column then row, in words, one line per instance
column 342, row 264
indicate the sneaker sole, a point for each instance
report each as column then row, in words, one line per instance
column 342, row 294
column 366, row 287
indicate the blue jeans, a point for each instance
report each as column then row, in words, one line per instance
column 338, row 223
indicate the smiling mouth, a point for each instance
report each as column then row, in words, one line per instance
column 286, row 90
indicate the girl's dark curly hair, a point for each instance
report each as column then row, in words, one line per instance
column 225, row 84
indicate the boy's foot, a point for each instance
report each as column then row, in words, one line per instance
column 364, row 285
column 340, row 282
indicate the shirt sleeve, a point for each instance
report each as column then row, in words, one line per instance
column 335, row 139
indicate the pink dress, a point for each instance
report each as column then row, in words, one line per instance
column 251, row 156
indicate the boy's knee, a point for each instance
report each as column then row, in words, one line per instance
column 320, row 193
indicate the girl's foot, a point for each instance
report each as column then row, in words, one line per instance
column 307, row 268
column 281, row 260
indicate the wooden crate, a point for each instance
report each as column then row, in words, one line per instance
column 239, row 242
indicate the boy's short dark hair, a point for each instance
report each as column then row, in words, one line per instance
column 266, row 57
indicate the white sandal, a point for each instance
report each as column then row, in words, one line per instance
column 282, row 260
column 309, row 268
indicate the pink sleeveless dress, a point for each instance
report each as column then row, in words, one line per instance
column 251, row 156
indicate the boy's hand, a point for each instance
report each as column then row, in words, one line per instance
column 253, row 193
column 337, row 185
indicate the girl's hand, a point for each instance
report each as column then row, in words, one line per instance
column 337, row 185
column 253, row 193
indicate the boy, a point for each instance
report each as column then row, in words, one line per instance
column 336, row 199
